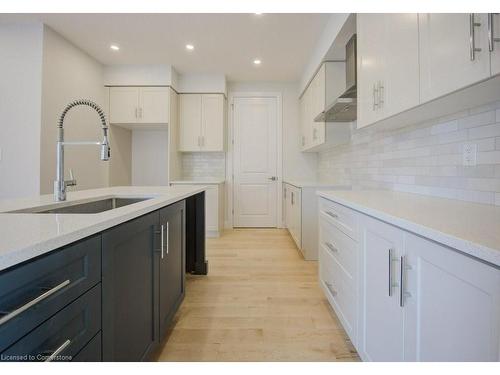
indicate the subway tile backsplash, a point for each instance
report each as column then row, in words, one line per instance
column 424, row 159
column 203, row 165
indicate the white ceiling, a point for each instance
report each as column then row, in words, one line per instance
column 224, row 43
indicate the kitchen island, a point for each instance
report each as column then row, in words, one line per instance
column 96, row 286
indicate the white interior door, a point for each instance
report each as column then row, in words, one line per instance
column 255, row 162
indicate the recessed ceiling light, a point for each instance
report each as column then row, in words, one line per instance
column 189, row 47
column 114, row 47
column 258, row 14
column 257, row 62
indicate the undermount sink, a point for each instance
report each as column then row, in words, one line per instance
column 92, row 207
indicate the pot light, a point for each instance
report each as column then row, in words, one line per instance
column 114, row 47
column 257, row 62
column 189, row 47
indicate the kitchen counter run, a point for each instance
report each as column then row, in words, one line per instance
column 26, row 235
column 471, row 228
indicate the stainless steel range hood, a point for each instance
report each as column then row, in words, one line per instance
column 344, row 108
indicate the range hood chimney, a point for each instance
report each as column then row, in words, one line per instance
column 344, row 108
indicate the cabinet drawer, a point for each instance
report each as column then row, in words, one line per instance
column 342, row 217
column 34, row 291
column 340, row 246
column 91, row 352
column 340, row 290
column 62, row 336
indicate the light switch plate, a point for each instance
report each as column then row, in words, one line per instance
column 469, row 154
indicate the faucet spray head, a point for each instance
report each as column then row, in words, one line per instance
column 105, row 149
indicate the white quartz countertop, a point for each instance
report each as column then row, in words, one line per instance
column 26, row 235
column 201, row 181
column 471, row 228
column 313, row 183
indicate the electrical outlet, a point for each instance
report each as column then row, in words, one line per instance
column 469, row 154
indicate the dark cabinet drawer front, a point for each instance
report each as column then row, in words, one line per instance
column 63, row 335
column 33, row 292
column 92, row 352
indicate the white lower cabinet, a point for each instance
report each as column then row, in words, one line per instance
column 214, row 205
column 452, row 305
column 300, row 212
column 409, row 298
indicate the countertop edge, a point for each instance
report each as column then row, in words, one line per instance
column 483, row 253
column 22, row 255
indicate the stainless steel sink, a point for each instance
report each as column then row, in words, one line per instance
column 92, row 207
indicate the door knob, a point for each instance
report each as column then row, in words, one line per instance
column 273, row 178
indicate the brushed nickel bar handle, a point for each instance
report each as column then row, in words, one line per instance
column 168, row 235
column 162, row 234
column 330, row 288
column 390, row 272
column 331, row 247
column 490, row 32
column 375, row 95
column 472, row 37
column 33, row 302
column 331, row 214
column 58, row 351
column 401, row 282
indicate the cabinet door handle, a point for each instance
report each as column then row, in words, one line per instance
column 58, row 351
column 168, row 236
column 33, row 302
column 331, row 214
column 330, row 288
column 136, row 112
column 491, row 32
column 162, row 235
column 472, row 36
column 375, row 96
column 284, row 193
column 380, row 94
column 401, row 282
column 331, row 247
column 293, row 201
column 390, row 272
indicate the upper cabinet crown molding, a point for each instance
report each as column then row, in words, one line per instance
column 132, row 106
column 202, row 122
column 414, row 67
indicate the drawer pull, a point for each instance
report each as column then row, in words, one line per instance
column 58, row 351
column 330, row 288
column 33, row 302
column 330, row 213
column 331, row 247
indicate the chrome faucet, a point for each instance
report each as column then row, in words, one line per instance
column 60, row 184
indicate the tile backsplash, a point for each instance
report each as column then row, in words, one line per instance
column 425, row 159
column 203, row 165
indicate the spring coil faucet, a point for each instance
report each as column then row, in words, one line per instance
column 60, row 184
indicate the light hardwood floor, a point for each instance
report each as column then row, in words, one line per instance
column 260, row 302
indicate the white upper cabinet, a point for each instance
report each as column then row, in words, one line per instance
column 189, row 122
column 327, row 84
column 452, row 305
column 154, row 105
column 388, row 71
column 212, row 110
column 202, row 122
column 139, row 105
column 494, row 42
column 123, row 105
column 453, row 52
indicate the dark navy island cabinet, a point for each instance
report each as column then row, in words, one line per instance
column 109, row 297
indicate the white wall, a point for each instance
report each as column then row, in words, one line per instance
column 139, row 75
column 296, row 164
column 69, row 74
column 20, row 107
column 323, row 44
column 212, row 83
column 149, row 157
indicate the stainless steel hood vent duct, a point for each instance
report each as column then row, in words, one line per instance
column 344, row 108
